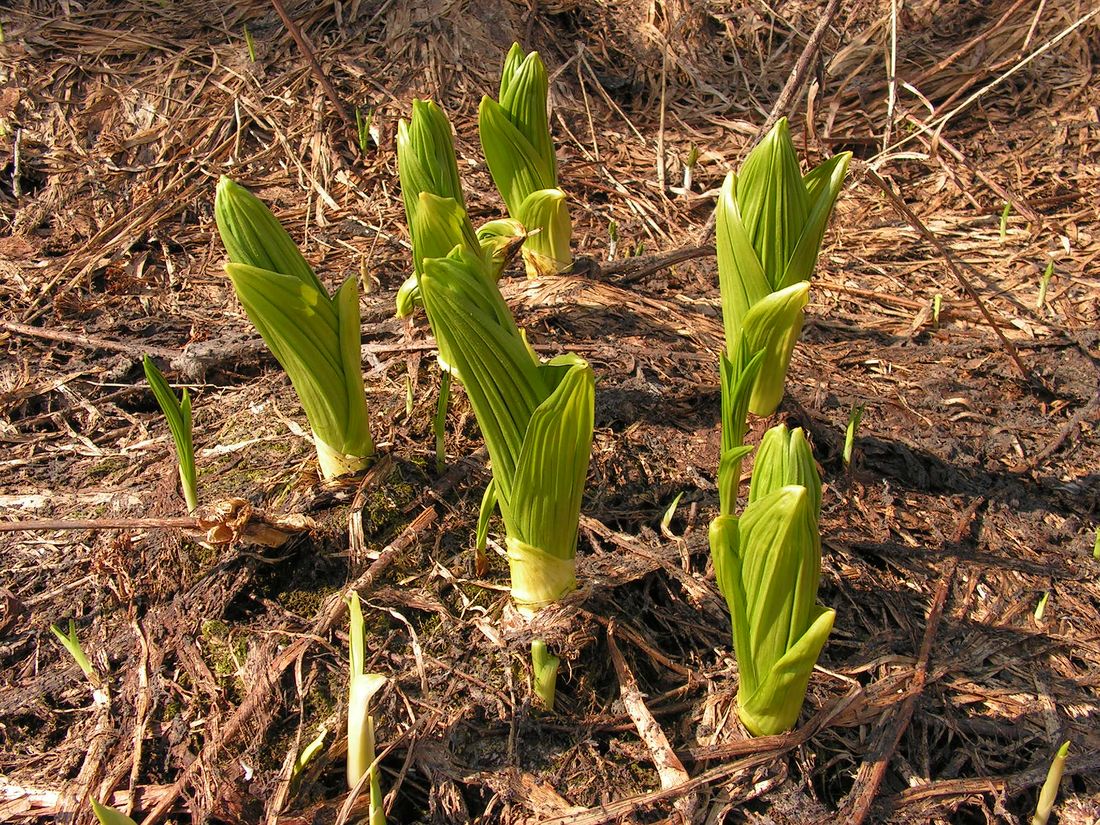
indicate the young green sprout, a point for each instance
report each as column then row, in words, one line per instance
column 855, row 418
column 536, row 419
column 315, row 337
column 1049, row 791
column 1044, row 285
column 689, row 166
column 1041, row 607
column 178, row 414
column 361, row 689
column 1004, row 220
column 545, row 668
column 768, row 567
column 1096, row 546
column 109, row 816
column 937, row 304
column 308, row 753
column 515, row 137
column 612, row 239
column 670, row 514
column 250, row 43
column 71, row 643
column 770, row 221
column 363, row 129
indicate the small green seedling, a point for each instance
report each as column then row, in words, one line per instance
column 71, row 643
column 689, row 166
column 855, row 417
column 937, row 304
column 1044, row 284
column 361, row 688
column 1041, row 607
column 408, row 395
column 545, row 667
column 109, row 816
column 363, row 129
column 308, row 753
column 250, row 43
column 612, row 239
column 178, row 414
column 670, row 513
column 1096, row 546
column 1050, row 788
column 1004, row 220
column 439, row 420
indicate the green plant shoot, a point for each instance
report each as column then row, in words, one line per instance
column 1004, row 220
column 361, row 689
column 1049, row 790
column 855, row 418
column 768, row 566
column 316, row 338
column 770, row 221
column 250, row 43
column 1044, row 285
column 545, row 670
column 515, row 137
column 109, row 816
column 536, row 419
column 178, row 414
column 71, row 643
column 363, row 129
column 937, row 305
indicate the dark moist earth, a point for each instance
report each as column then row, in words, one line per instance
column 958, row 548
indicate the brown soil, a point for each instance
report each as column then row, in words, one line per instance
column 975, row 492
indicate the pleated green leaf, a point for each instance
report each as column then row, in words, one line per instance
column 738, row 377
column 546, row 251
column 253, row 236
column 774, row 706
column 500, row 240
column 741, row 279
column 523, row 91
column 514, row 164
column 772, row 326
column 316, row 340
column 773, row 201
column 785, row 458
column 536, row 420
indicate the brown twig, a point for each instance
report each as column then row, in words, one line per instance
column 87, row 341
column 315, row 66
column 952, row 264
column 99, row 524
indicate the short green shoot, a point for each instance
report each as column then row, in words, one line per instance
column 408, row 396
column 545, row 669
column 439, row 420
column 612, row 239
column 689, row 166
column 361, row 689
column 937, row 305
column 363, row 129
column 1004, row 220
column 178, row 414
column 308, row 753
column 109, row 816
column 855, row 418
column 670, row 513
column 71, row 643
column 250, row 43
column 1049, row 790
column 1041, row 607
column 1044, row 284
column 769, row 225
column 1096, row 546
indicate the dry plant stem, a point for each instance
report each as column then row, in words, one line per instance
column 617, row 811
column 956, row 270
column 873, row 769
column 100, row 524
column 88, row 341
column 801, row 68
column 261, row 694
column 669, row 767
column 304, row 46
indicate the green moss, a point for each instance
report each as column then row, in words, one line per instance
column 109, row 465
column 225, row 654
column 304, row 602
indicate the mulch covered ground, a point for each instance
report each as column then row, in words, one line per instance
column 973, row 498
